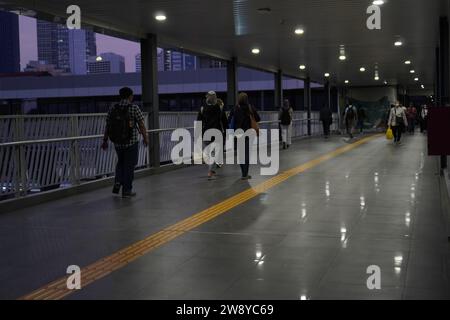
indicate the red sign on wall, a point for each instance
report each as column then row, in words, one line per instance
column 438, row 131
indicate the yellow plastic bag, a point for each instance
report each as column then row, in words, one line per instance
column 389, row 134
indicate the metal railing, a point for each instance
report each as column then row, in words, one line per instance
column 42, row 152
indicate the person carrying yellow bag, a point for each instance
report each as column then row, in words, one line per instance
column 389, row 134
column 397, row 121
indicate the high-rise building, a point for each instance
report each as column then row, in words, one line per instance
column 178, row 61
column 106, row 63
column 137, row 59
column 67, row 49
column 9, row 42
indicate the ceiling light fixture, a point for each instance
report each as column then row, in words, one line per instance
column 378, row 2
column 412, row 71
column 362, row 69
column 416, row 79
column 160, row 17
column 299, row 31
column 422, row 86
column 256, row 51
column 342, row 55
column 326, row 75
column 302, row 67
column 346, row 81
column 398, row 43
column 407, row 62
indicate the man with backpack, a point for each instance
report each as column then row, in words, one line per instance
column 124, row 122
column 212, row 116
column 350, row 118
column 285, row 116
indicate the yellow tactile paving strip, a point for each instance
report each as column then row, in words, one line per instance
column 97, row 270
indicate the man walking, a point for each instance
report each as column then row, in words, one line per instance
column 124, row 122
column 326, row 116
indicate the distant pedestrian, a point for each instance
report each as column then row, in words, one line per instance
column 361, row 118
column 212, row 116
column 397, row 121
column 423, row 119
column 350, row 119
column 326, row 116
column 286, row 116
column 124, row 122
column 411, row 115
column 245, row 117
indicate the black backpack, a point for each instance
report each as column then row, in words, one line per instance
column 120, row 129
column 285, row 117
column 350, row 113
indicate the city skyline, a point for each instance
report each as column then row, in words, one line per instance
column 29, row 52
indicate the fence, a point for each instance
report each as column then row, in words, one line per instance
column 41, row 152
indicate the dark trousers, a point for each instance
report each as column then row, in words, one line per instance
column 246, row 166
column 126, row 162
column 326, row 128
column 397, row 131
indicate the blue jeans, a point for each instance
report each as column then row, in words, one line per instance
column 126, row 162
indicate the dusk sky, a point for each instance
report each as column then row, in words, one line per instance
column 28, row 44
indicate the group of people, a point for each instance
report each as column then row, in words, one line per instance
column 242, row 116
column 402, row 119
column 125, row 121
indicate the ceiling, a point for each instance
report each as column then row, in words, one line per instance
column 227, row 28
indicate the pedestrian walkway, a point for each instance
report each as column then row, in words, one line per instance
column 308, row 233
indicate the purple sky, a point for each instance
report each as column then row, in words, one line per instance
column 28, row 44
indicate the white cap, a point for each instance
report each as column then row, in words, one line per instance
column 211, row 93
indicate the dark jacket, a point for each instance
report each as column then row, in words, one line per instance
column 326, row 115
column 212, row 117
column 241, row 114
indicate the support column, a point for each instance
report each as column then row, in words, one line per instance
column 278, row 90
column 307, row 99
column 327, row 89
column 278, row 94
column 437, row 81
column 444, row 61
column 150, row 103
column 444, row 69
column 232, row 82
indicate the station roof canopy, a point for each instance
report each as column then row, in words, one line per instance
column 228, row 28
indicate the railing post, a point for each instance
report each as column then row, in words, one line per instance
column 20, row 175
column 75, row 173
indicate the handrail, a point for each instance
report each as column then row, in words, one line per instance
column 80, row 138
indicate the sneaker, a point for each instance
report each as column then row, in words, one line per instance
column 116, row 188
column 129, row 194
column 246, row 178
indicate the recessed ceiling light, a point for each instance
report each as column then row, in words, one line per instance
column 422, row 86
column 342, row 58
column 160, row 17
column 362, row 69
column 378, row 2
column 412, row 71
column 398, row 43
column 256, row 51
column 299, row 31
column 302, row 67
column 385, row 82
column 99, row 58
column 407, row 62
column 326, row 75
column 416, row 79
column 346, row 81
column 377, row 78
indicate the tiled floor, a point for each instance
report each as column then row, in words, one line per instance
column 311, row 237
